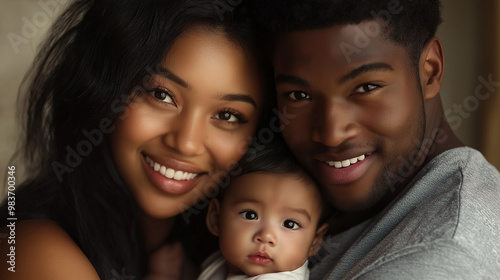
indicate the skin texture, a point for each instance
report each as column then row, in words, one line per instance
column 190, row 125
column 273, row 213
column 50, row 254
column 367, row 103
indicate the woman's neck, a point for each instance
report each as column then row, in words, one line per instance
column 155, row 232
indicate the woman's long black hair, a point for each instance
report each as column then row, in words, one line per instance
column 96, row 54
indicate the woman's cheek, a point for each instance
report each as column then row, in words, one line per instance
column 229, row 149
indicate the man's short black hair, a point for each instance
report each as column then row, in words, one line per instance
column 410, row 23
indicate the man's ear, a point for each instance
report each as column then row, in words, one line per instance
column 213, row 216
column 318, row 238
column 431, row 67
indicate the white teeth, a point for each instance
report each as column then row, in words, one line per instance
column 347, row 162
column 169, row 172
column 178, row 175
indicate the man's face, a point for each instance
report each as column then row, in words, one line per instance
column 359, row 115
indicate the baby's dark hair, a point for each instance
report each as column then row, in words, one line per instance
column 275, row 158
column 410, row 23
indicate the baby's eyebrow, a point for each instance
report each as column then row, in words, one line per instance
column 246, row 200
column 299, row 211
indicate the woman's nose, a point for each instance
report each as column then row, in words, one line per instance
column 187, row 134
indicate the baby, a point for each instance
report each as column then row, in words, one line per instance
column 267, row 221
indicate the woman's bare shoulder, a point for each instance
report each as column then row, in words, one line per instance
column 41, row 249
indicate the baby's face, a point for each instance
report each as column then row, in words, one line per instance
column 268, row 223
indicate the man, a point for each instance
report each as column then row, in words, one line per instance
column 362, row 80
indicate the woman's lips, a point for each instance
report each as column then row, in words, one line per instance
column 170, row 173
column 261, row 258
column 169, row 180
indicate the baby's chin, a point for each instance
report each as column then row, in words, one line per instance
column 254, row 271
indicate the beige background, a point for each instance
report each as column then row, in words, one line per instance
column 470, row 36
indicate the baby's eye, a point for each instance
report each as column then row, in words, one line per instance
column 162, row 95
column 291, row 224
column 248, row 215
column 365, row 88
column 297, row 95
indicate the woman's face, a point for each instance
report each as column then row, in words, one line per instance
column 202, row 106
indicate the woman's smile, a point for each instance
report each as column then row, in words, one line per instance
column 172, row 181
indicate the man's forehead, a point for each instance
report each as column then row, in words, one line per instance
column 337, row 46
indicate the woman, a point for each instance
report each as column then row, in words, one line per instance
column 133, row 110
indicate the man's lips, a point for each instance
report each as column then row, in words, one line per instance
column 348, row 161
column 344, row 172
column 261, row 258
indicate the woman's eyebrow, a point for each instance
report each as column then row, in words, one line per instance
column 238, row 97
column 164, row 72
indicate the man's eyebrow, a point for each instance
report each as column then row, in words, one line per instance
column 287, row 79
column 239, row 97
column 164, row 72
column 378, row 66
column 300, row 211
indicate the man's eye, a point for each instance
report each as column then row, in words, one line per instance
column 298, row 95
column 248, row 215
column 365, row 88
column 291, row 224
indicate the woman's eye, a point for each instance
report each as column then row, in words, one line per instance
column 163, row 96
column 298, row 95
column 226, row 116
column 365, row 88
column 291, row 224
column 248, row 215
column 230, row 116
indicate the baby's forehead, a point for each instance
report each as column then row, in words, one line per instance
column 262, row 186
